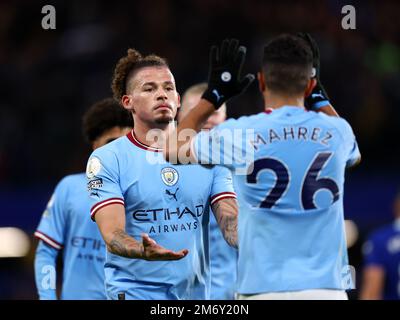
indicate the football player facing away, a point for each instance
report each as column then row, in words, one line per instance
column 289, row 166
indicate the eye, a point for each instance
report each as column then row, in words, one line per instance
column 170, row 89
column 148, row 89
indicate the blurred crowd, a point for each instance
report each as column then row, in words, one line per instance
column 49, row 77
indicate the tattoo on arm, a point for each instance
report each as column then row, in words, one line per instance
column 124, row 245
column 226, row 212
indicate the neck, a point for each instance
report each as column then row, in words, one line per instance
column 155, row 139
column 274, row 101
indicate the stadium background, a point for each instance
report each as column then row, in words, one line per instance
column 49, row 77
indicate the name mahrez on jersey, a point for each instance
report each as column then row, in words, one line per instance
column 313, row 134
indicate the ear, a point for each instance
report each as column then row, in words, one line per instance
column 95, row 144
column 261, row 81
column 126, row 102
column 179, row 100
column 310, row 87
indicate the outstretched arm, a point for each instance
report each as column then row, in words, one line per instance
column 111, row 222
column 178, row 144
column 224, row 82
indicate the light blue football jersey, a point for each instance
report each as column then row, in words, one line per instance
column 170, row 203
column 288, row 169
column 65, row 225
column 223, row 264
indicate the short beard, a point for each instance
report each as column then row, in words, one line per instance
column 163, row 120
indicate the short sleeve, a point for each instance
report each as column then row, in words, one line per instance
column 51, row 228
column 103, row 180
column 353, row 154
column 222, row 186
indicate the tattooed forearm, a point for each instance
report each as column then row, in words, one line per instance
column 229, row 229
column 123, row 245
column 226, row 212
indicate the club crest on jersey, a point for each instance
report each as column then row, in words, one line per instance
column 169, row 176
column 93, row 167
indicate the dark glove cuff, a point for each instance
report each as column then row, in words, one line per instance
column 214, row 97
column 320, row 104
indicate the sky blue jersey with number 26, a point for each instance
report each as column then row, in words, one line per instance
column 289, row 178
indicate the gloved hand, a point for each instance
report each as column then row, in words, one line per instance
column 318, row 97
column 224, row 78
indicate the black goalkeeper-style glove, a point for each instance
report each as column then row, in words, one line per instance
column 224, row 77
column 318, row 97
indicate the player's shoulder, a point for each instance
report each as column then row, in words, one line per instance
column 71, row 180
column 111, row 149
column 338, row 122
column 243, row 121
column 253, row 119
column 220, row 170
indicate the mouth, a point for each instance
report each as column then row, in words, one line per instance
column 163, row 106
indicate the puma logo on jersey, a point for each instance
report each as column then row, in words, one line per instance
column 170, row 193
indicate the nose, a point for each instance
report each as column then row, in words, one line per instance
column 161, row 94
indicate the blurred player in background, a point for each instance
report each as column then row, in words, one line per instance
column 65, row 223
column 223, row 258
column 152, row 215
column 381, row 274
column 291, row 226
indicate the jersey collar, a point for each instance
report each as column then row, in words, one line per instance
column 287, row 109
column 132, row 137
column 268, row 110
